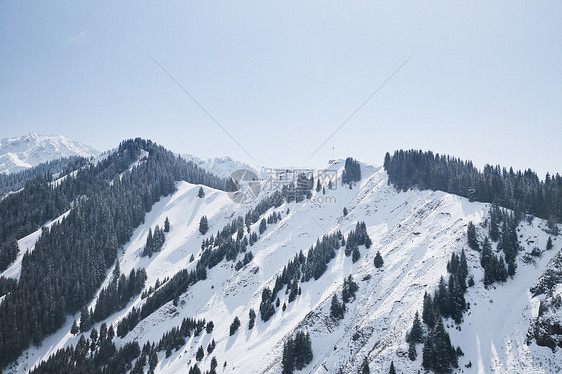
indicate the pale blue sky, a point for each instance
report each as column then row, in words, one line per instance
column 485, row 82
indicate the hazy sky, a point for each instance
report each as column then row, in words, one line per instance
column 485, row 81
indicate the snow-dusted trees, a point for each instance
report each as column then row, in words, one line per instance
column 438, row 353
column 378, row 261
column 8, row 253
column 351, row 172
column 252, row 320
column 203, row 225
column 349, row 289
column 471, row 236
column 98, row 354
column 200, row 354
column 154, row 241
column 234, row 325
column 392, row 370
column 119, row 291
column 201, row 193
column 414, row 336
column 448, row 301
column 266, row 306
column 167, row 225
column 263, row 226
column 365, row 367
column 494, row 267
column 337, row 309
column 312, row 266
column 297, row 352
column 416, row 333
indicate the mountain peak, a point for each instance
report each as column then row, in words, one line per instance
column 26, row 151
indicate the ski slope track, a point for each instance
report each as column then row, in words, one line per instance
column 415, row 231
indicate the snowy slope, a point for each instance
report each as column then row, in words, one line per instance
column 415, row 231
column 26, row 151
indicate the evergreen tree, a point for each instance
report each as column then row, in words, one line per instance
column 203, row 225
column 74, row 329
column 201, row 193
column 8, row 253
column 344, row 211
column 200, row 354
column 349, row 289
column 167, row 225
column 442, row 298
column 378, row 260
column 416, row 333
column 337, row 310
column 103, row 332
column 501, row 272
column 495, row 217
column 471, row 237
column 266, row 307
column 486, row 254
column 94, row 335
column 392, row 370
column 149, row 246
column 110, row 333
column 211, row 346
column 365, row 367
column 252, row 320
column 428, row 313
column 288, row 359
column 234, row 325
column 85, row 320
column 549, row 244
column 263, row 226
column 438, row 354
column 351, row 172
column 518, row 191
column 297, row 352
column 355, row 255
column 412, row 354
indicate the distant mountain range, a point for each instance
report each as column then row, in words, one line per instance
column 224, row 166
column 24, row 152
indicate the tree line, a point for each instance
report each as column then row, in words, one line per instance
column 522, row 192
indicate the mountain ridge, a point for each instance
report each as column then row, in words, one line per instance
column 26, row 151
column 416, row 231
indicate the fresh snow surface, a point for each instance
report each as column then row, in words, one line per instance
column 416, row 233
column 23, row 152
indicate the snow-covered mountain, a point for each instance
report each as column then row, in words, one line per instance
column 415, row 232
column 29, row 150
column 224, row 166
